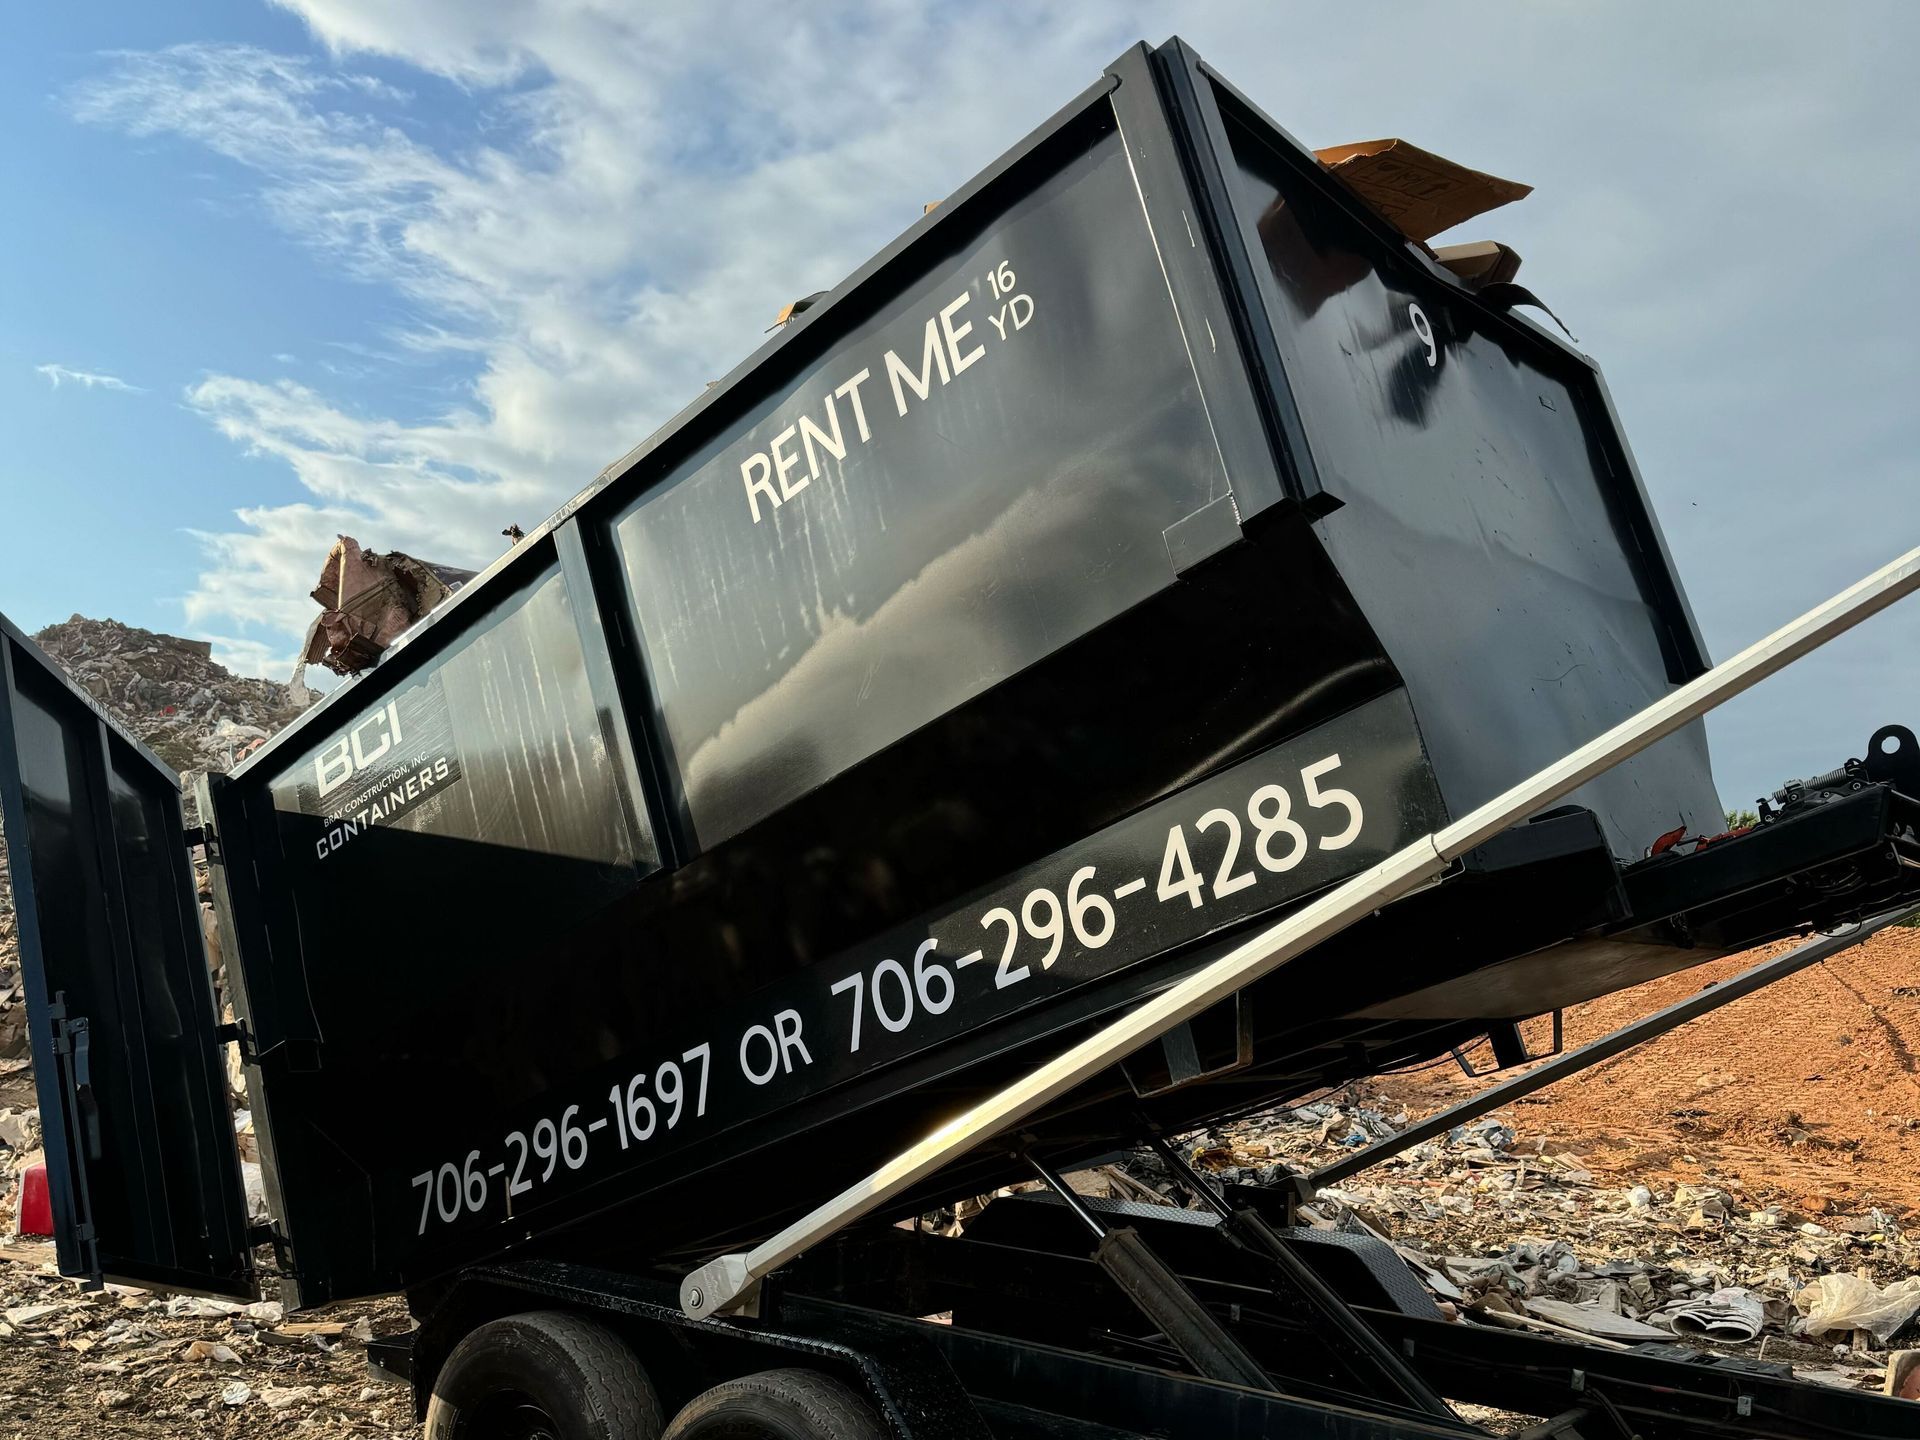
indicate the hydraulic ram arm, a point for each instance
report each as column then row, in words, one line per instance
column 730, row 1281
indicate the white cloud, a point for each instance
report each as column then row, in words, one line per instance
column 640, row 196
column 60, row 375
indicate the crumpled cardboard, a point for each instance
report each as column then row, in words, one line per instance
column 1418, row 192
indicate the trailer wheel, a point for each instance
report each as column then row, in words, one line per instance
column 545, row 1375
column 778, row 1405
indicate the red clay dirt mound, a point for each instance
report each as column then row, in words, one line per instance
column 1803, row 1094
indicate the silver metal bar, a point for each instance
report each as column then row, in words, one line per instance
column 1614, row 1042
column 727, row 1282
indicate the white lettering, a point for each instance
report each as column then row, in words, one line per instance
column 773, row 1055
column 961, row 359
column 852, row 391
column 782, row 463
column 933, row 357
column 363, row 757
column 790, row 1039
column 761, row 486
column 328, row 777
column 1011, row 310
column 832, row 444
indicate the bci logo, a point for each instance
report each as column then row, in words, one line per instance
column 357, row 749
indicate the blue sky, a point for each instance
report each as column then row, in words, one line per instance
column 417, row 271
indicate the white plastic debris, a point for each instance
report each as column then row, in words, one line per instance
column 256, row 1187
column 198, row 1307
column 238, row 1393
column 1849, row 1302
column 1730, row 1315
column 209, row 1352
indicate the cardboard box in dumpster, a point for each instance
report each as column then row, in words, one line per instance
column 1419, row 192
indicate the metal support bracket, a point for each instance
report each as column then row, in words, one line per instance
column 235, row 1032
column 1160, row 1295
column 1296, row 1285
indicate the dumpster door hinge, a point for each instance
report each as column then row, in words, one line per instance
column 73, row 1048
column 232, row 1032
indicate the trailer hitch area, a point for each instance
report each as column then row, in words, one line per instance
column 1894, row 755
column 1893, row 758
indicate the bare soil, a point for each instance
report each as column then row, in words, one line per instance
column 1804, row 1094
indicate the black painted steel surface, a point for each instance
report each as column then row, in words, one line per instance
column 1146, row 540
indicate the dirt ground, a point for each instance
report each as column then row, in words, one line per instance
column 127, row 1364
column 1804, row 1094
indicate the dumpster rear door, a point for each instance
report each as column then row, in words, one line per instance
column 142, row 1165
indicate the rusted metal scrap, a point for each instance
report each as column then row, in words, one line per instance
column 366, row 599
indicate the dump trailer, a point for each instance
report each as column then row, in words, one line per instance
column 905, row 774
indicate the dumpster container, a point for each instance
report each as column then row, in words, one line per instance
column 1148, row 538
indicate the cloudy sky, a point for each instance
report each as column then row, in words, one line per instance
column 275, row 271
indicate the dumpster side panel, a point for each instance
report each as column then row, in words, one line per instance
column 411, row 861
column 926, row 546
column 1487, row 519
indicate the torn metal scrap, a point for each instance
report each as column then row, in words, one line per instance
column 367, row 599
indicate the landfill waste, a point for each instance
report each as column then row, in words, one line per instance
column 1731, row 1314
column 1507, row 1230
column 1842, row 1303
column 368, row 599
column 194, row 714
column 123, row 1362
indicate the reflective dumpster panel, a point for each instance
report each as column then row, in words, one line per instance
column 979, row 472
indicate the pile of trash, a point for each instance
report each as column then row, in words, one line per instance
column 125, row 1362
column 194, row 714
column 1505, row 1231
column 368, row 600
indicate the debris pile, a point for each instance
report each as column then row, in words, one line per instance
column 368, row 599
column 194, row 714
column 124, row 1362
column 1507, row 1230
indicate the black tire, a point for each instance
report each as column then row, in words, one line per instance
column 545, row 1375
column 778, row 1405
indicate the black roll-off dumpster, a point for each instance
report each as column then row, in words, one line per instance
column 1149, row 538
